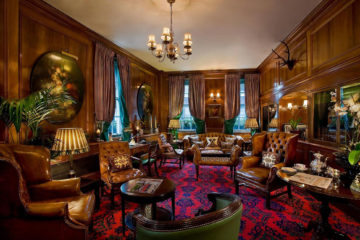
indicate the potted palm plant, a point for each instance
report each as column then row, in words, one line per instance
column 30, row 112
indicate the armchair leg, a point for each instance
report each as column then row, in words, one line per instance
column 289, row 191
column 231, row 171
column 112, row 195
column 236, row 187
column 267, row 197
column 197, row 172
column 156, row 170
column 102, row 185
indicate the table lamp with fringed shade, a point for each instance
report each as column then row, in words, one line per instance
column 251, row 123
column 69, row 141
column 174, row 124
column 274, row 123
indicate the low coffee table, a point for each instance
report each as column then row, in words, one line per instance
column 323, row 228
column 165, row 191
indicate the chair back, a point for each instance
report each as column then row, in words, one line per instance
column 222, row 222
column 13, row 189
column 107, row 150
column 33, row 160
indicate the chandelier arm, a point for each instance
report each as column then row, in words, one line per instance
column 171, row 19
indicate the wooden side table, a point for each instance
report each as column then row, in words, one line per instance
column 165, row 191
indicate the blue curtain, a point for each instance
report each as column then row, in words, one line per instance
column 124, row 116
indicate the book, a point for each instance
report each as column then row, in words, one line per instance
column 145, row 185
column 312, row 180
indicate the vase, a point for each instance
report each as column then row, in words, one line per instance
column 342, row 158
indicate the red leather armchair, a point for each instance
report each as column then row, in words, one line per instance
column 252, row 174
column 32, row 206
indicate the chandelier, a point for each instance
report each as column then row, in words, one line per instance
column 168, row 47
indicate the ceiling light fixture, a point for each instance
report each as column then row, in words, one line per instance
column 168, row 47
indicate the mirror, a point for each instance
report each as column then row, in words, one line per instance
column 269, row 113
column 293, row 114
column 145, row 104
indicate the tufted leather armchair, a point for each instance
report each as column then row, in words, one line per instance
column 32, row 205
column 232, row 161
column 114, row 180
column 252, row 174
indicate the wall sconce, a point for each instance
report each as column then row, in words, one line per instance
column 289, row 106
column 214, row 97
column 305, row 104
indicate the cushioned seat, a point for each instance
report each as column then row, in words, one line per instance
column 258, row 174
column 78, row 207
column 126, row 175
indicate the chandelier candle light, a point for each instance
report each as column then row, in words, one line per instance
column 168, row 47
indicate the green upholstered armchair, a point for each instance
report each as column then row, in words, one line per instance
column 222, row 221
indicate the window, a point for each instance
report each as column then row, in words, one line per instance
column 116, row 127
column 240, row 120
column 186, row 120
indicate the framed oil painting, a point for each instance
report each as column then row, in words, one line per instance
column 60, row 73
column 145, row 101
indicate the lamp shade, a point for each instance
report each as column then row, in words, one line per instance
column 251, row 123
column 274, row 123
column 174, row 123
column 70, row 141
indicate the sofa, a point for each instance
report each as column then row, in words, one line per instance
column 221, row 138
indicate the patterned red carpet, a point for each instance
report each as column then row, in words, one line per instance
column 286, row 220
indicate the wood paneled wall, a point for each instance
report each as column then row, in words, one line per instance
column 29, row 28
column 327, row 45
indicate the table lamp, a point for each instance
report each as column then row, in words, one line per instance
column 174, row 124
column 69, row 141
column 274, row 123
column 252, row 124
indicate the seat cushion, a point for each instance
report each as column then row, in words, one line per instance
column 81, row 207
column 126, row 175
column 258, row 174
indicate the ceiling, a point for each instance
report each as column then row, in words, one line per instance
column 227, row 34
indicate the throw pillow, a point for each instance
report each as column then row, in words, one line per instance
column 120, row 162
column 269, row 159
column 212, row 142
column 230, row 139
column 200, row 144
column 163, row 139
column 227, row 145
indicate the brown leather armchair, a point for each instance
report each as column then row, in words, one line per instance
column 32, row 206
column 114, row 180
column 252, row 174
column 232, row 161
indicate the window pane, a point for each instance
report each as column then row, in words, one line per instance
column 186, row 120
column 240, row 120
column 116, row 127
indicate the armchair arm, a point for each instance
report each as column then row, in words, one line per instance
column 250, row 161
column 56, row 209
column 235, row 152
column 273, row 171
column 55, row 189
column 186, row 143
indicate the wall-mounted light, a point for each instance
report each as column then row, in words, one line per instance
column 215, row 97
column 305, row 104
column 289, row 106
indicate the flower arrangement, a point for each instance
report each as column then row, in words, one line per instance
column 351, row 109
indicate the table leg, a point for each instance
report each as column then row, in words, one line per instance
column 153, row 211
column 323, row 229
column 123, row 213
column 173, row 205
